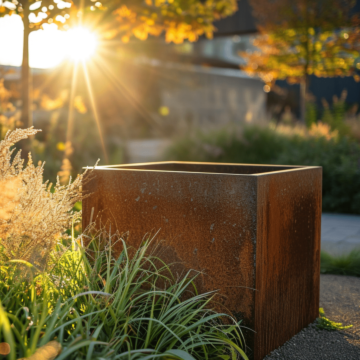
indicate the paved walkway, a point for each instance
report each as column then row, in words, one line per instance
column 340, row 233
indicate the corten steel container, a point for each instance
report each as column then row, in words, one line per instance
column 254, row 230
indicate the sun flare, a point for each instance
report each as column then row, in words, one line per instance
column 49, row 47
column 81, row 44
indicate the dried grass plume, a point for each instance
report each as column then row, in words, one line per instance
column 33, row 214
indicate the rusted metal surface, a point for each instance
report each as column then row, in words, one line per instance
column 287, row 255
column 245, row 227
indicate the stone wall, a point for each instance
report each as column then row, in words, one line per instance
column 197, row 97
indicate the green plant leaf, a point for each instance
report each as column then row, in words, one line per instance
column 179, row 354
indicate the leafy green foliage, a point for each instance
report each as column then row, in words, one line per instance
column 348, row 264
column 101, row 306
column 339, row 157
column 324, row 323
column 334, row 115
column 50, row 148
column 311, row 116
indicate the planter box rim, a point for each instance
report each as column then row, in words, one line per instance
column 133, row 167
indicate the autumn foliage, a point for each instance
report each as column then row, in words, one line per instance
column 303, row 38
column 178, row 19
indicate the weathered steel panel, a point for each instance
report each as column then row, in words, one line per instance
column 208, row 221
column 287, row 256
column 243, row 226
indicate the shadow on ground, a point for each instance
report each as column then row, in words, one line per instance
column 340, row 298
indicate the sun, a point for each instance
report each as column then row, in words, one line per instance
column 81, row 44
column 49, row 47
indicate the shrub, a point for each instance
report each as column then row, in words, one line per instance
column 100, row 306
column 348, row 264
column 67, row 147
column 339, row 156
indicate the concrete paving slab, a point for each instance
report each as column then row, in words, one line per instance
column 340, row 233
column 352, row 240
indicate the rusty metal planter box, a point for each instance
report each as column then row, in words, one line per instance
column 254, row 230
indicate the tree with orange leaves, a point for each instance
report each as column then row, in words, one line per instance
column 34, row 15
column 178, row 19
column 303, row 38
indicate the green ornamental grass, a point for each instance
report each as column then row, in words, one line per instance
column 85, row 300
column 101, row 305
column 348, row 264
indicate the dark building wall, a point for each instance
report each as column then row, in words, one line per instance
column 326, row 88
column 242, row 22
column 320, row 88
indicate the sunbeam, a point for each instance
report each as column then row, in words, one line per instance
column 94, row 109
column 127, row 94
column 70, row 124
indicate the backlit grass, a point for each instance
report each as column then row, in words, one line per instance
column 99, row 305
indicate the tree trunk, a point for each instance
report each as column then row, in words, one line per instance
column 304, row 88
column 303, row 91
column 26, row 115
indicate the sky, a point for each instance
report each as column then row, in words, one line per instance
column 47, row 48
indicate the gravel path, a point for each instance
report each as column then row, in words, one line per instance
column 340, row 298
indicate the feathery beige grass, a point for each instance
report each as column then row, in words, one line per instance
column 33, row 213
